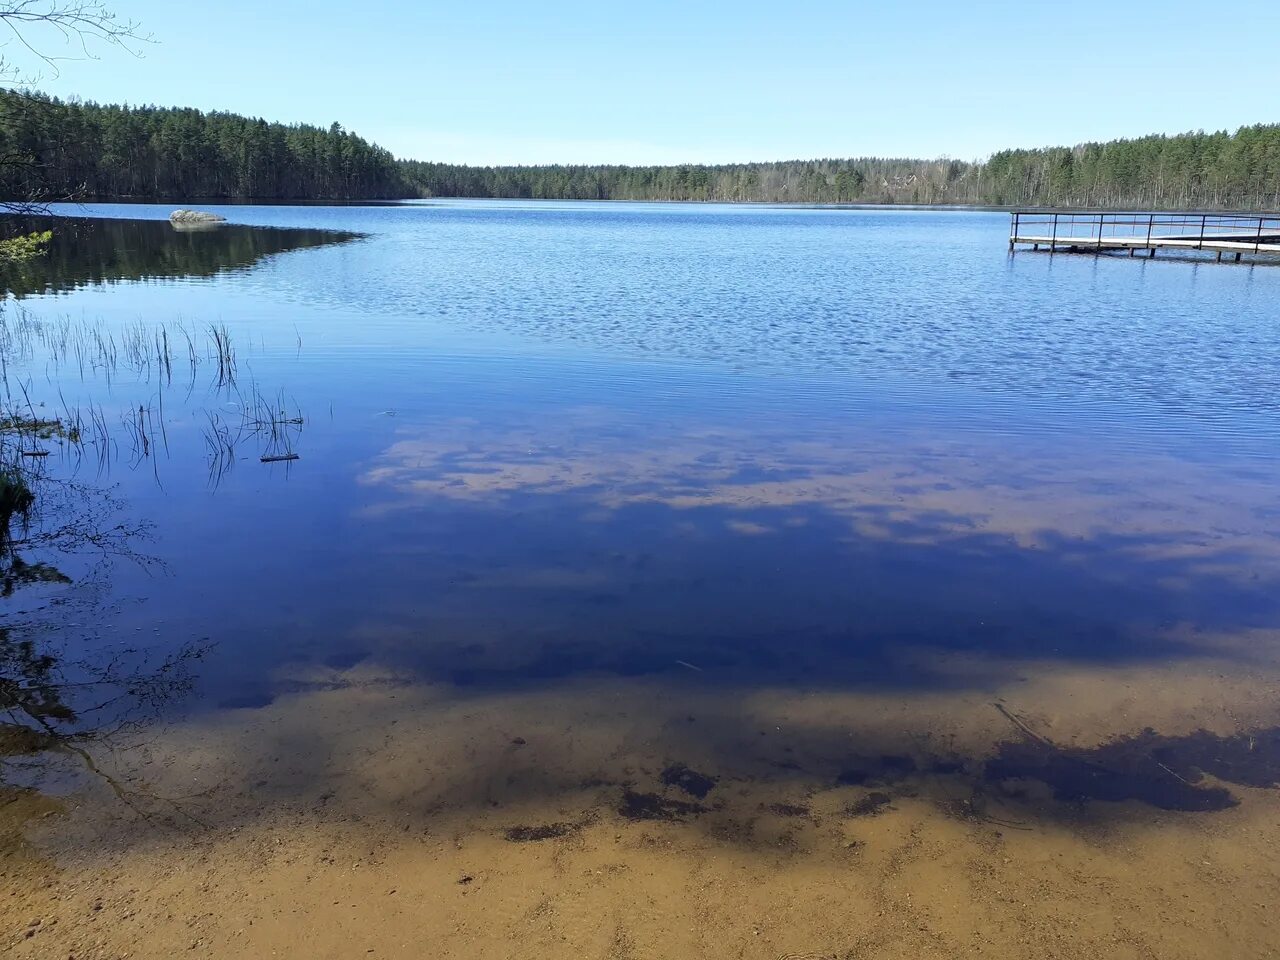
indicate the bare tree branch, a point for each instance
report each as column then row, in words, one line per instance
column 49, row 32
column 36, row 25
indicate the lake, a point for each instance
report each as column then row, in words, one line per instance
column 639, row 580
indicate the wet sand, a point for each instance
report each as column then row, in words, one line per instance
column 650, row 818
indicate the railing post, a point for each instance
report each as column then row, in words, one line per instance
column 1151, row 219
column 1053, row 240
column 1013, row 232
column 1204, row 220
column 1257, row 243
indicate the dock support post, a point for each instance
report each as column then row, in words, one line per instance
column 1237, row 256
column 1219, row 256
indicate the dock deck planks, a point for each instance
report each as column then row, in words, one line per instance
column 1096, row 231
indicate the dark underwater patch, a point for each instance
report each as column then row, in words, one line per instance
column 543, row 831
column 652, row 806
column 1165, row 772
column 873, row 803
column 690, row 781
column 885, row 768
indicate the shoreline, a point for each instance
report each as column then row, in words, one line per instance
column 778, row 204
column 384, row 816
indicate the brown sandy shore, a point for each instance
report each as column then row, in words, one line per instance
column 608, row 818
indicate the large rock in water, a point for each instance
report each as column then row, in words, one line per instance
column 194, row 216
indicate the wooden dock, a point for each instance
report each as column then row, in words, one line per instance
column 1099, row 232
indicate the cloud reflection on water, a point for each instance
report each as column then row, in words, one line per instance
column 596, row 545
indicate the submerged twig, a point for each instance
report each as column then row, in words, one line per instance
column 1021, row 725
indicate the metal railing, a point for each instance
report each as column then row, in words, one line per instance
column 1094, row 228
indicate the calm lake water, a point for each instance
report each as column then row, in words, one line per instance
column 725, row 449
column 543, row 439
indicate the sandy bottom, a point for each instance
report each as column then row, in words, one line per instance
column 369, row 817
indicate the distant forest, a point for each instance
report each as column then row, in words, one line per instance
column 52, row 148
column 1209, row 170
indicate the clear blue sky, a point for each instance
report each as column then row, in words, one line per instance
column 491, row 81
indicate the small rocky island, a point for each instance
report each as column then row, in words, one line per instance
column 192, row 217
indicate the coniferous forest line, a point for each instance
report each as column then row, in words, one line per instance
column 53, row 149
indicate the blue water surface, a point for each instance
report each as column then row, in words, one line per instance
column 779, row 444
